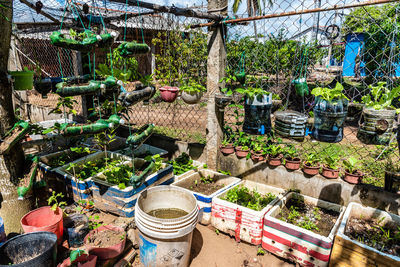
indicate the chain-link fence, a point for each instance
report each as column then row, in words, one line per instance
column 357, row 47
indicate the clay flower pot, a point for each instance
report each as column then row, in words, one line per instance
column 227, row 149
column 329, row 173
column 257, row 156
column 292, row 164
column 169, row 93
column 275, row 161
column 353, row 178
column 241, row 153
column 310, row 170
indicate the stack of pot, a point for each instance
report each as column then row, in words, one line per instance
column 290, row 123
column 377, row 126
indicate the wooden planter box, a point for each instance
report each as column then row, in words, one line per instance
column 347, row 252
column 82, row 189
column 204, row 201
column 295, row 243
column 110, row 198
column 244, row 223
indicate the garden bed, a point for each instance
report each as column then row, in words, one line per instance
column 243, row 222
column 206, row 184
column 367, row 237
column 302, row 229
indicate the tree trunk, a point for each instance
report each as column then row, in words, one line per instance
column 11, row 164
column 253, row 13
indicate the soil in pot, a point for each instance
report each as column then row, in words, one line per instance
column 251, row 199
column 310, row 170
column 204, row 185
column 308, row 216
column 353, row 178
column 105, row 239
column 329, row 173
column 292, row 163
column 371, row 232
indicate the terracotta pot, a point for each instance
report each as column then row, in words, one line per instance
column 353, row 178
column 257, row 156
column 329, row 173
column 311, row 170
column 44, row 219
column 292, row 164
column 227, row 150
column 275, row 161
column 109, row 252
column 81, row 261
column 169, row 93
column 241, row 153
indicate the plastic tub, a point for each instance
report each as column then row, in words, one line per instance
column 257, row 115
column 44, row 219
column 165, row 242
column 41, row 244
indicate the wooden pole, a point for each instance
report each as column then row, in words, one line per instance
column 295, row 13
column 41, row 11
column 186, row 12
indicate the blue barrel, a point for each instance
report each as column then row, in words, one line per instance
column 257, row 114
column 2, row 232
column 329, row 118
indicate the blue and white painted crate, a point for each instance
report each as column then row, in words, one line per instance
column 81, row 189
column 111, row 198
column 205, row 201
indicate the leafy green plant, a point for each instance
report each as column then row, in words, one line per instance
column 351, row 164
column 332, row 161
column 252, row 93
column 54, row 199
column 192, row 86
column 182, row 164
column 329, row 94
column 65, row 105
column 242, row 196
column 380, row 97
column 225, row 172
column 91, row 168
column 158, row 161
column 147, row 80
column 274, row 150
column 124, row 69
column 94, row 222
column 290, row 152
column 391, row 166
column 311, row 159
column 242, row 140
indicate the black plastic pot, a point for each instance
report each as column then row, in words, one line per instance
column 76, row 227
column 42, row 246
column 43, row 86
column 257, row 115
column 221, row 101
column 329, row 118
column 390, row 179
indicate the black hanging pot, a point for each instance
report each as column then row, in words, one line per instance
column 222, row 101
column 43, row 86
column 257, row 114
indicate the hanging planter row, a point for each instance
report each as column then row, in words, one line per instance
column 191, row 92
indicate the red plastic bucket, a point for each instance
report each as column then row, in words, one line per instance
column 44, row 219
column 109, row 252
column 169, row 93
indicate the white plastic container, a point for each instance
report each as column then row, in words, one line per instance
column 165, row 242
column 204, row 201
column 244, row 223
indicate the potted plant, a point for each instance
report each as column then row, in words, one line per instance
column 330, row 112
column 169, row 93
column 311, row 164
column 275, row 154
column 392, row 175
column 292, row 161
column 79, row 258
column 241, row 145
column 378, row 114
column 351, row 174
column 184, row 166
column 23, row 80
column 192, row 92
column 223, row 98
column 330, row 169
column 257, row 152
column 257, row 110
column 227, row 147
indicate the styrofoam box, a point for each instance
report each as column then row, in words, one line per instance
column 357, row 210
column 82, row 189
column 246, row 224
column 204, row 201
column 295, row 243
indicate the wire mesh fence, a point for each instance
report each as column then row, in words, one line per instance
column 355, row 47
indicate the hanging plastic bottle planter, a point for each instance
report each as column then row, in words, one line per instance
column 86, row 43
column 377, row 126
column 76, row 87
column 142, row 93
column 14, row 136
column 330, row 112
column 143, row 133
column 93, row 128
column 301, row 86
column 130, row 49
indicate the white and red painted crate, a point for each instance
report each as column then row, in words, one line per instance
column 244, row 223
column 295, row 243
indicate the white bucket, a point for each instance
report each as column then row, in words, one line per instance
column 165, row 242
